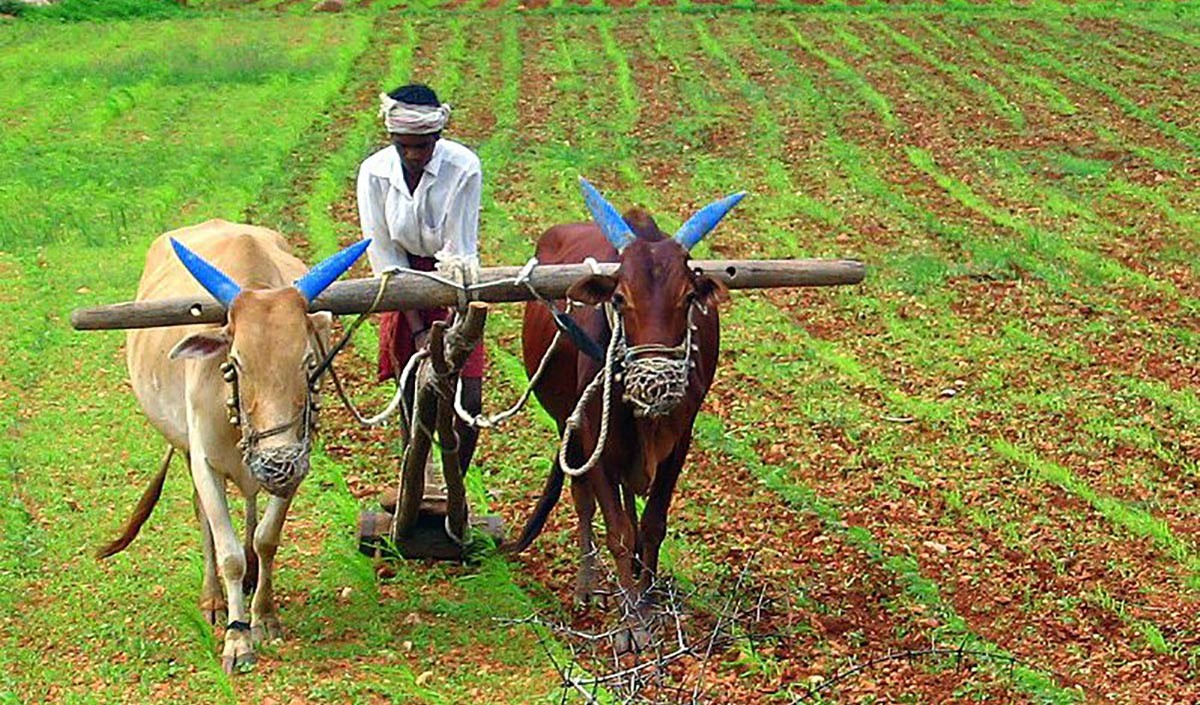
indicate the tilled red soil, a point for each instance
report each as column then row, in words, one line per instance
column 1028, row 569
column 1149, row 553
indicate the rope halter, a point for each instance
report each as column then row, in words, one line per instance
column 279, row 469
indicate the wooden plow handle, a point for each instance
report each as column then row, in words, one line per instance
column 437, row 380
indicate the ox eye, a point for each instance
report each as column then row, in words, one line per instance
column 618, row 300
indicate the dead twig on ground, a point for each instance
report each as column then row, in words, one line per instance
column 674, row 666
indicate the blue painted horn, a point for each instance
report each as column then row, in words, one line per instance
column 214, row 280
column 321, row 276
column 705, row 219
column 610, row 221
column 310, row 285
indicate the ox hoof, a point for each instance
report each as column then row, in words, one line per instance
column 266, row 629
column 589, row 596
column 631, row 640
column 238, row 655
column 238, row 664
column 587, row 590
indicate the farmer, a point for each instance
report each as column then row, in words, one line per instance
column 418, row 201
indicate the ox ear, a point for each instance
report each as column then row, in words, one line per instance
column 321, row 321
column 610, row 222
column 710, row 290
column 594, row 289
column 705, row 219
column 201, row 345
column 321, row 276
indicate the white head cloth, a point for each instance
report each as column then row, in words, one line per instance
column 409, row 119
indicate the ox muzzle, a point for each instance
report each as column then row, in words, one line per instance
column 655, row 377
column 278, row 469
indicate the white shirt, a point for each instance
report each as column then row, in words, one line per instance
column 441, row 218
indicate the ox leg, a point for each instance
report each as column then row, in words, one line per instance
column 264, row 615
column 654, row 519
column 250, row 580
column 212, row 600
column 231, row 560
column 586, row 584
column 631, row 511
column 621, row 536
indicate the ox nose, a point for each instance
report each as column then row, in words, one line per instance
column 280, row 469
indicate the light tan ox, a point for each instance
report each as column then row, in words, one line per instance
column 256, row 369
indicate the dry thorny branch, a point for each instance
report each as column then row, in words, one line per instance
column 673, row 667
column 687, row 639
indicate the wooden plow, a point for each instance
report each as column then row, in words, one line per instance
column 424, row 521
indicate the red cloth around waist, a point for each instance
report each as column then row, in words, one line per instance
column 395, row 336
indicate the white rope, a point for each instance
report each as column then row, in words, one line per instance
column 575, row 420
column 490, row 420
column 458, row 540
column 464, row 291
column 428, row 275
column 402, row 384
column 463, row 270
column 470, row 288
column 653, row 408
column 494, row 420
column 526, row 272
column 388, row 412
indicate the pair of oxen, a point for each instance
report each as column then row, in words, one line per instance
column 239, row 400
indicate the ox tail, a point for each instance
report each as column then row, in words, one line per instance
column 141, row 512
column 533, row 527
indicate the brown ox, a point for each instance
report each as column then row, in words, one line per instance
column 236, row 400
column 654, row 297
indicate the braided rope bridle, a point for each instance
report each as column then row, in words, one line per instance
column 281, row 469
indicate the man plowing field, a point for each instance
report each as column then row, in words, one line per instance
column 624, row 384
column 418, row 204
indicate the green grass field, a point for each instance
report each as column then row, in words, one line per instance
column 993, row 443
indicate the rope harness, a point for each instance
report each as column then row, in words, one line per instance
column 657, row 383
column 327, row 364
column 655, row 376
column 654, row 385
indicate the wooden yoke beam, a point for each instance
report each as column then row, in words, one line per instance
column 413, row 291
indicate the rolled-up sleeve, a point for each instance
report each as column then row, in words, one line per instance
column 383, row 253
